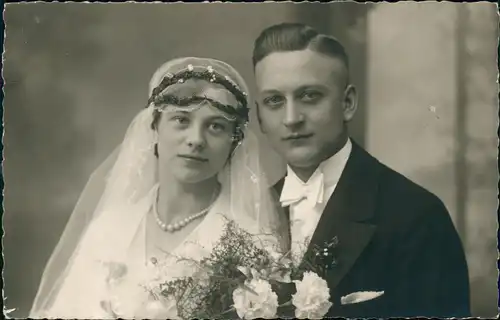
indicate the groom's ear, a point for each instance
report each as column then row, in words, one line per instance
column 257, row 112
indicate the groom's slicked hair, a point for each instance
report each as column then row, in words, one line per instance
column 296, row 37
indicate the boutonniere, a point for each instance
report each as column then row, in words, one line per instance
column 324, row 257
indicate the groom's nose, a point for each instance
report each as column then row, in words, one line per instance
column 293, row 115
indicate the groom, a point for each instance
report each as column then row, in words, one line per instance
column 394, row 237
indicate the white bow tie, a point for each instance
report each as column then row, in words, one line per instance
column 294, row 191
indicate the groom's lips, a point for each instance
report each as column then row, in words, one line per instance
column 297, row 136
column 193, row 158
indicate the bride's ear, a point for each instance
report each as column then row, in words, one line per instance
column 155, row 140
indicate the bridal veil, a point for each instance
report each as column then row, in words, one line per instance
column 127, row 177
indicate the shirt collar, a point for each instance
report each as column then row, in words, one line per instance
column 331, row 169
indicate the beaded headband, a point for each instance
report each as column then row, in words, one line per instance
column 240, row 112
column 207, row 74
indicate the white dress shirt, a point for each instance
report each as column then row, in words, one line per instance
column 308, row 200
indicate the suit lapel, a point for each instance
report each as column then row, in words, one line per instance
column 347, row 213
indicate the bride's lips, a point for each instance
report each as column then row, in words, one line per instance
column 193, row 158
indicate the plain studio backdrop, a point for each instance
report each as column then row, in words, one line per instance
column 76, row 74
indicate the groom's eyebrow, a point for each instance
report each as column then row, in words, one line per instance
column 299, row 89
column 310, row 86
column 269, row 91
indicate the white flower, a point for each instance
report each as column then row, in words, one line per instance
column 164, row 308
column 126, row 297
column 273, row 273
column 249, row 305
column 312, row 297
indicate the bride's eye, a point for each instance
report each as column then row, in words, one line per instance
column 217, row 127
column 182, row 120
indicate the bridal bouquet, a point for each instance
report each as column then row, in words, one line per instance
column 240, row 279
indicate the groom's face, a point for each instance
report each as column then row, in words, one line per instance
column 303, row 103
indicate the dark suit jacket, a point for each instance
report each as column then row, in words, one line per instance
column 393, row 236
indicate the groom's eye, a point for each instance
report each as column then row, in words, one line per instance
column 310, row 96
column 274, row 101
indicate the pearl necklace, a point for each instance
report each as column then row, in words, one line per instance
column 184, row 222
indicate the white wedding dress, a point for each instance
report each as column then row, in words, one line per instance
column 86, row 292
column 100, row 264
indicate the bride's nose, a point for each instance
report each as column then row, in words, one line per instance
column 196, row 137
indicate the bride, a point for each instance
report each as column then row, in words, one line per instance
column 186, row 165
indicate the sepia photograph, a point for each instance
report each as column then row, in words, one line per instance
column 250, row 160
